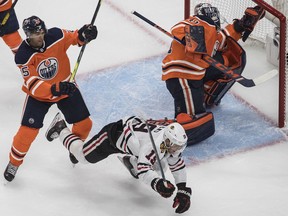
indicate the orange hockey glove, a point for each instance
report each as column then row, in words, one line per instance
column 247, row 23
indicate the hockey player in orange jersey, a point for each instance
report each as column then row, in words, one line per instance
column 9, row 31
column 192, row 82
column 45, row 68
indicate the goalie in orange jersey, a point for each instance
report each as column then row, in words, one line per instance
column 192, row 82
column 9, row 30
column 45, row 68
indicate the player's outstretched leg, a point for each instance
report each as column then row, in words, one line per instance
column 54, row 130
column 57, row 125
column 10, row 172
column 126, row 162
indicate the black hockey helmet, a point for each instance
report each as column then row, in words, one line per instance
column 32, row 25
column 206, row 9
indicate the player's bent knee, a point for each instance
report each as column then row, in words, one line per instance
column 82, row 128
column 198, row 128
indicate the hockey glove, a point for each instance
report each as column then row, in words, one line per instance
column 87, row 33
column 182, row 199
column 63, row 88
column 247, row 23
column 165, row 189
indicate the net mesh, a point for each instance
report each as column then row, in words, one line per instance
column 231, row 9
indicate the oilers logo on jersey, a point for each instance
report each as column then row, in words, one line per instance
column 47, row 69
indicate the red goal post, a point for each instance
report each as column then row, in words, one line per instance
column 275, row 18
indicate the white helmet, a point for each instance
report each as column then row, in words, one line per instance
column 174, row 134
column 206, row 9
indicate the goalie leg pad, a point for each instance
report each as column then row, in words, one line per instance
column 215, row 91
column 198, row 128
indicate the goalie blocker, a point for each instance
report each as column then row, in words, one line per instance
column 197, row 128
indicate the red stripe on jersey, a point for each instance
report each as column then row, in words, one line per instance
column 178, row 165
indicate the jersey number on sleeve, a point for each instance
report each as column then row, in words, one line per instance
column 25, row 71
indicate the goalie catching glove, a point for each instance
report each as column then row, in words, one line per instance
column 247, row 23
column 87, row 33
column 182, row 199
column 165, row 189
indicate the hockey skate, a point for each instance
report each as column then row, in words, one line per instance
column 73, row 159
column 126, row 162
column 10, row 172
column 57, row 125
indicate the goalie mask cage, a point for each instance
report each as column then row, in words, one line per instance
column 231, row 9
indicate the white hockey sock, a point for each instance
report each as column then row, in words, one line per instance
column 74, row 144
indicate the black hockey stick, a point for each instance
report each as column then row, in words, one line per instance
column 156, row 152
column 6, row 17
column 214, row 63
column 84, row 46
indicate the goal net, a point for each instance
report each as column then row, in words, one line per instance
column 270, row 33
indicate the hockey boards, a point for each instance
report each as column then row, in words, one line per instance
column 229, row 72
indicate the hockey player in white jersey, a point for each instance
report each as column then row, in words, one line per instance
column 130, row 136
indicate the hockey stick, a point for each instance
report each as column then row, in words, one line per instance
column 214, row 63
column 84, row 46
column 156, row 152
column 5, row 19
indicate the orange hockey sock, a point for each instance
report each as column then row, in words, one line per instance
column 21, row 144
column 82, row 128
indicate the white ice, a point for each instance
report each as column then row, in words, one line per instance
column 252, row 182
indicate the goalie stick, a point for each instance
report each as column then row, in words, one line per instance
column 214, row 63
column 6, row 17
column 84, row 46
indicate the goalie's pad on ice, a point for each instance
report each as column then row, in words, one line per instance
column 198, row 128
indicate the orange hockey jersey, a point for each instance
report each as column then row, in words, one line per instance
column 46, row 66
column 181, row 62
column 5, row 5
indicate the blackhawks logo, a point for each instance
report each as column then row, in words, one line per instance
column 162, row 147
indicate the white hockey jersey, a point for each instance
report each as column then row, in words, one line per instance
column 135, row 140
